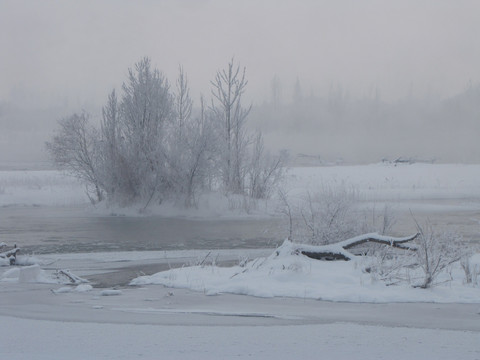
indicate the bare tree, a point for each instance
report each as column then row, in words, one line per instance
column 200, row 147
column 75, row 149
column 265, row 171
column 112, row 174
column 183, row 102
column 287, row 210
column 228, row 88
column 276, row 92
column 191, row 153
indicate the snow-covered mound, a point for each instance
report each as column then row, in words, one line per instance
column 35, row 274
column 287, row 273
column 27, row 274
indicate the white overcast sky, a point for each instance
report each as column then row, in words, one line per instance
column 77, row 51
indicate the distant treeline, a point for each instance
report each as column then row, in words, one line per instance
column 367, row 129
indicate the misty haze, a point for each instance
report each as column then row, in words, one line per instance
column 208, row 179
column 354, row 81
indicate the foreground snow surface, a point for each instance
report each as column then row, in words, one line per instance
column 44, row 320
column 49, row 340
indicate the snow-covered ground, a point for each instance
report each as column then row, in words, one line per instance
column 289, row 275
column 148, row 322
column 429, row 186
column 33, row 339
column 377, row 182
column 300, row 307
column 43, row 187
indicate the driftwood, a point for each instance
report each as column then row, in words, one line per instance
column 339, row 251
column 9, row 253
column 72, row 278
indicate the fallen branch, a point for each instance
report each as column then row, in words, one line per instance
column 339, row 251
column 74, row 279
column 380, row 239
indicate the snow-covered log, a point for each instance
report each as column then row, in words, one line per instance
column 380, row 239
column 9, row 253
column 339, row 251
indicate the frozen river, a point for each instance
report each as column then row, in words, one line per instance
column 67, row 229
column 47, row 212
column 49, row 229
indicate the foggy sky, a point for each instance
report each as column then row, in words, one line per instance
column 75, row 52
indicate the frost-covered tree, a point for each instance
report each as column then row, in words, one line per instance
column 191, row 144
column 228, row 87
column 75, row 148
column 183, row 102
column 200, row 149
column 126, row 159
column 264, row 170
column 145, row 109
column 113, row 169
column 276, row 88
column 153, row 145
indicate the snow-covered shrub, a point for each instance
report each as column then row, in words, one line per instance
column 332, row 216
column 4, row 261
column 27, row 260
column 471, row 270
column 324, row 217
column 436, row 252
column 391, row 269
column 328, row 216
column 264, row 170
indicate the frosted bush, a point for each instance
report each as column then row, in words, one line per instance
column 330, row 215
column 436, row 252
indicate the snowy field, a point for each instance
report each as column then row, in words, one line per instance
column 188, row 308
column 431, row 184
column 388, row 182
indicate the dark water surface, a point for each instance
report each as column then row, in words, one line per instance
column 45, row 229
column 53, row 229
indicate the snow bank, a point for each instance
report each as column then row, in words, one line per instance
column 82, row 288
column 27, row 274
column 27, row 260
column 286, row 274
column 35, row 274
